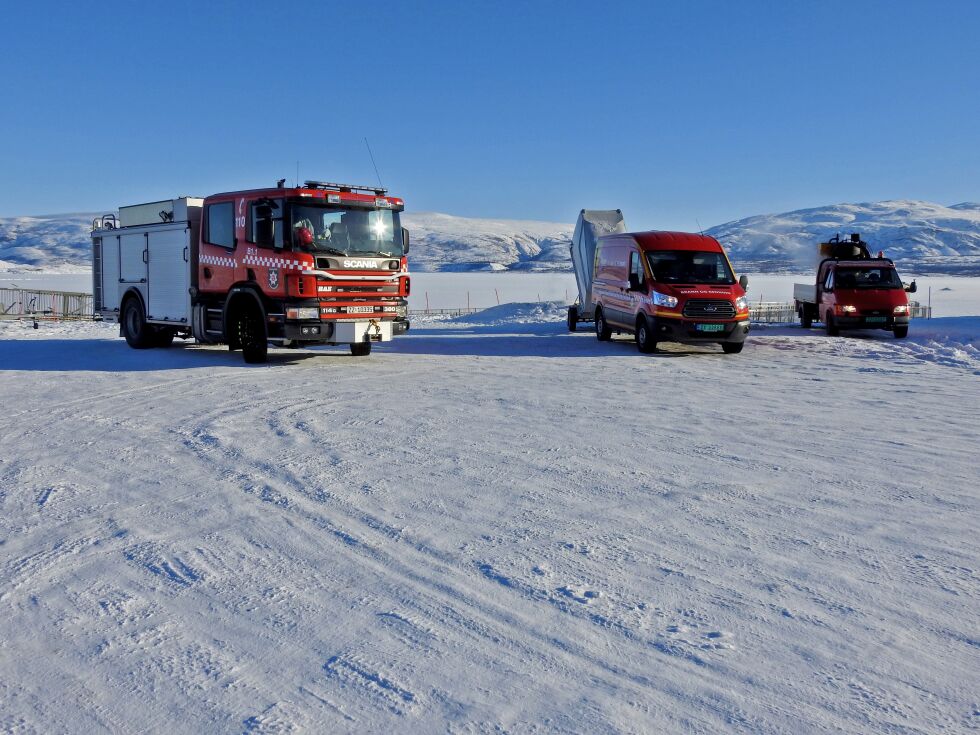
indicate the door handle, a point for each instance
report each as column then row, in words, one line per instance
column 207, row 272
column 185, row 254
column 146, row 256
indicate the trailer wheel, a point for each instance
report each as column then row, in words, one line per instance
column 572, row 318
column 732, row 348
column 832, row 330
column 249, row 332
column 139, row 335
column 360, row 349
column 602, row 331
column 902, row 332
column 645, row 341
column 806, row 321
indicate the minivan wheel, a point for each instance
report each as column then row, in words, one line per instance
column 602, row 331
column 645, row 341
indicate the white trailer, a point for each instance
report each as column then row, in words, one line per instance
column 591, row 225
column 148, row 250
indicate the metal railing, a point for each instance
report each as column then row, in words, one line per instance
column 25, row 303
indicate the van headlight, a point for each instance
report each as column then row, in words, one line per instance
column 901, row 309
column 662, row 299
column 741, row 304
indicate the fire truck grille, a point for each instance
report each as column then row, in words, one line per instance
column 709, row 309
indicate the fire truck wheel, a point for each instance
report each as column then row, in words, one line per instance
column 602, row 331
column 732, row 348
column 831, row 325
column 572, row 318
column 645, row 341
column 360, row 349
column 902, row 332
column 249, row 332
column 138, row 334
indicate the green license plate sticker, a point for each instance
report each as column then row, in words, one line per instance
column 876, row 319
column 710, row 327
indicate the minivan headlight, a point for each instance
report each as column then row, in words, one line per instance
column 662, row 299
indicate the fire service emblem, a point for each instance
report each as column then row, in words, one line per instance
column 273, row 278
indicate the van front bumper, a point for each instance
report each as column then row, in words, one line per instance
column 686, row 331
column 870, row 322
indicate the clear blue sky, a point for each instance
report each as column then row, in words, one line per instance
column 677, row 112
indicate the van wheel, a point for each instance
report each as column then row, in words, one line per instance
column 572, row 318
column 806, row 321
column 249, row 333
column 602, row 331
column 732, row 348
column 832, row 330
column 139, row 335
column 902, row 332
column 645, row 341
column 360, row 349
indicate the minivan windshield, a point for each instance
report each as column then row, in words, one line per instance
column 867, row 278
column 345, row 231
column 690, row 266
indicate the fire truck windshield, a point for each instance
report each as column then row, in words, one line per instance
column 690, row 266
column 354, row 231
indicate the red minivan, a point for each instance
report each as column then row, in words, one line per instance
column 668, row 287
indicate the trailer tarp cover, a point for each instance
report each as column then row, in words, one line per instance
column 592, row 224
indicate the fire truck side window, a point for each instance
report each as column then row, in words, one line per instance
column 265, row 223
column 221, row 224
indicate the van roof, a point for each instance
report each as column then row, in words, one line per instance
column 662, row 240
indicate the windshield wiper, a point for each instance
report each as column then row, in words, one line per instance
column 332, row 251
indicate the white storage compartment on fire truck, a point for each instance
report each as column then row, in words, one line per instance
column 148, row 249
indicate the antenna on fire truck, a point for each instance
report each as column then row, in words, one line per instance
column 373, row 163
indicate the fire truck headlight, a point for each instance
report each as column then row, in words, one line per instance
column 303, row 312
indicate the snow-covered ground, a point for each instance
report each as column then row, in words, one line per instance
column 491, row 525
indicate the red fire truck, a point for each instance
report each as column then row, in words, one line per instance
column 322, row 263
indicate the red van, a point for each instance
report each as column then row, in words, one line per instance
column 668, row 287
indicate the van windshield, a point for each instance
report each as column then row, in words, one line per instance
column 868, row 278
column 690, row 266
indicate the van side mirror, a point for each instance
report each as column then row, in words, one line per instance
column 635, row 283
column 912, row 288
column 743, row 281
column 405, row 239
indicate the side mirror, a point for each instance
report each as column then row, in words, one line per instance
column 635, row 283
column 912, row 288
column 405, row 241
column 743, row 281
column 265, row 232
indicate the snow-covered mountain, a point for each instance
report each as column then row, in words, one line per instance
column 927, row 238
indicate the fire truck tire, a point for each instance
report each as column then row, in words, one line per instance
column 139, row 335
column 645, row 341
column 732, row 348
column 602, row 331
column 360, row 349
column 902, row 332
column 572, row 318
column 248, row 331
column 832, row 330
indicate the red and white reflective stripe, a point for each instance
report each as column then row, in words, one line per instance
column 218, row 260
column 268, row 262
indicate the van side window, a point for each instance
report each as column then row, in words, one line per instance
column 828, row 283
column 221, row 224
column 636, row 265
